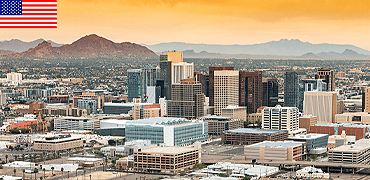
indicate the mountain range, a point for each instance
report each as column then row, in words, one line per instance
column 17, row 45
column 283, row 47
column 90, row 46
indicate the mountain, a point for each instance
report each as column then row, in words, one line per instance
column 17, row 45
column 90, row 46
column 2, row 52
column 283, row 47
column 309, row 55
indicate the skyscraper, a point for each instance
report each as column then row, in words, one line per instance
column 321, row 104
column 166, row 76
column 149, row 77
column 182, row 70
column 270, row 92
column 293, row 94
column 250, row 90
column 366, row 100
column 211, row 81
column 226, row 89
column 133, row 84
column 187, row 99
column 328, row 75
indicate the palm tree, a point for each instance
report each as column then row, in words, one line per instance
column 62, row 169
column 23, row 171
column 15, row 157
column 44, row 171
column 23, row 156
column 14, row 171
column 6, row 158
column 52, row 171
column 35, row 171
column 41, row 178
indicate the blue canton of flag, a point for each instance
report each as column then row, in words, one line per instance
column 10, row 7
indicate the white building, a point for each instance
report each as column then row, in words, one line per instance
column 76, row 123
column 112, row 123
column 282, row 118
column 226, row 90
column 311, row 172
column 163, row 106
column 14, row 78
column 321, row 104
column 3, row 98
column 182, row 70
column 88, row 103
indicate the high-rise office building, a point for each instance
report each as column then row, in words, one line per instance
column 175, row 57
column 270, row 92
column 182, row 70
column 86, row 103
column 293, row 94
column 149, row 77
column 313, row 85
column 204, row 80
column 281, row 118
column 226, row 89
column 250, row 90
column 321, row 104
column 187, row 99
column 166, row 75
column 133, row 84
column 328, row 75
column 211, row 81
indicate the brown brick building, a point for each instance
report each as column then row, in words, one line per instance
column 358, row 131
column 247, row 136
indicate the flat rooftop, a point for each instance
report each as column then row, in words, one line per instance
column 216, row 117
column 168, row 150
column 308, row 136
column 276, row 144
column 256, row 131
column 58, row 140
column 159, row 121
column 359, row 146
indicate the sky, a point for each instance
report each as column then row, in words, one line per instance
column 208, row 21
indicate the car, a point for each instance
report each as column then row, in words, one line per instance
column 212, row 151
column 219, row 146
column 228, row 147
column 205, row 150
column 114, row 172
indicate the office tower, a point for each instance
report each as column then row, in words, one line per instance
column 226, row 89
column 133, row 84
column 293, row 94
column 187, row 99
column 366, row 100
column 321, row 104
column 282, row 118
column 166, row 76
column 149, row 77
column 270, row 92
column 88, row 103
column 204, row 80
column 182, row 70
column 175, row 57
column 328, row 75
column 211, row 81
column 250, row 90
column 313, row 85
column 14, row 78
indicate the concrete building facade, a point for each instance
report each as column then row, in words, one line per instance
column 226, row 90
column 247, row 136
column 281, row 151
column 281, row 118
column 219, row 124
column 323, row 105
column 235, row 111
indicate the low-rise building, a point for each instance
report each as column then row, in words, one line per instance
column 219, row 124
column 276, row 151
column 128, row 149
column 358, row 130
column 357, row 153
column 117, row 108
column 168, row 159
column 76, row 123
column 247, row 136
column 357, row 118
column 236, row 112
column 313, row 140
column 339, row 140
column 57, row 144
column 255, row 117
column 311, row 172
column 306, row 121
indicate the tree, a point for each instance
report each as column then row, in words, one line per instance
column 23, row 156
column 6, row 158
column 35, row 171
column 41, row 178
column 62, row 169
column 23, row 171
column 44, row 171
column 14, row 170
column 247, row 178
column 111, row 142
column 52, row 171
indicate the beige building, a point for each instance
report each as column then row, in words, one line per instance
column 54, row 144
column 357, row 153
column 145, row 111
column 306, row 121
column 276, row 151
column 235, row 111
column 323, row 105
column 281, row 118
column 357, row 118
column 254, row 117
column 226, row 90
column 219, row 124
column 171, row 159
column 366, row 99
column 175, row 57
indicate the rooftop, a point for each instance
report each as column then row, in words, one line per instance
column 58, row 140
column 159, row 121
column 308, row 136
column 359, row 146
column 255, row 131
column 216, row 117
column 168, row 150
column 120, row 104
column 276, row 144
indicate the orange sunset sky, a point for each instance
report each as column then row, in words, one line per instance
column 208, row 21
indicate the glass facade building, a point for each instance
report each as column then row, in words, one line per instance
column 171, row 131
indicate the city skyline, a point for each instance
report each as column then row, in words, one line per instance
column 234, row 22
